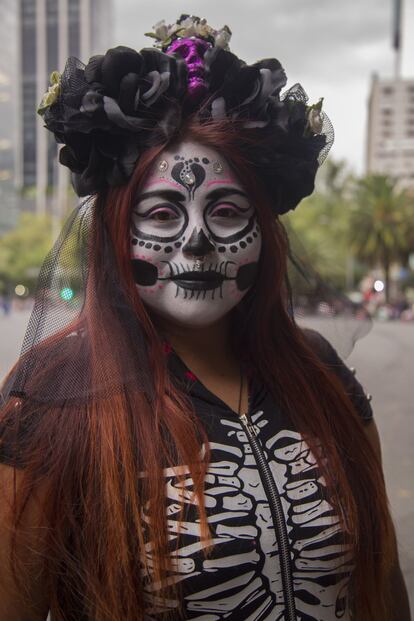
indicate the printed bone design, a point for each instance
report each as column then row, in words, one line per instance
column 246, row 551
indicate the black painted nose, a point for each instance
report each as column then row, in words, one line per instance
column 198, row 245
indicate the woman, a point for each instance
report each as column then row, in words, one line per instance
column 181, row 448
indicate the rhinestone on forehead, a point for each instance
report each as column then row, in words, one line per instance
column 218, row 167
column 163, row 165
column 189, row 178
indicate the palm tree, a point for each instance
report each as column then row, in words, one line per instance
column 381, row 221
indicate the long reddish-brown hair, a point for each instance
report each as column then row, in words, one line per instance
column 95, row 550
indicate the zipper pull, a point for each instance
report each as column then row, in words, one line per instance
column 246, row 420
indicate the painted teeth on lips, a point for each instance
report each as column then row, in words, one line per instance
column 207, row 276
column 199, row 281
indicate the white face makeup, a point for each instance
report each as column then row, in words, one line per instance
column 195, row 241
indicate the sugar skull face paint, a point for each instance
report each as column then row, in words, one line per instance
column 195, row 241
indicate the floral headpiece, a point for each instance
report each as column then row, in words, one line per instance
column 106, row 113
column 189, row 26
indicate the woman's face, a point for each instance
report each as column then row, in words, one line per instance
column 195, row 241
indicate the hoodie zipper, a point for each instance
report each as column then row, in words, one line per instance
column 277, row 516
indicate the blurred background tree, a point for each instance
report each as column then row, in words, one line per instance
column 318, row 228
column 22, row 251
column 350, row 225
column 381, row 224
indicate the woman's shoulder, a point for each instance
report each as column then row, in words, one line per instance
column 330, row 357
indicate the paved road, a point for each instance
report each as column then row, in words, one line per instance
column 384, row 360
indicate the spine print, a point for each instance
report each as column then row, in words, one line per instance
column 242, row 575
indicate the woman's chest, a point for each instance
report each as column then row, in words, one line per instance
column 278, row 546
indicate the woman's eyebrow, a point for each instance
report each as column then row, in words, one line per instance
column 169, row 195
column 175, row 196
column 218, row 193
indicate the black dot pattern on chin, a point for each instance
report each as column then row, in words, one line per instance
column 205, row 160
column 221, row 249
column 177, row 244
column 249, row 239
column 134, row 242
column 141, row 243
column 156, row 247
column 254, row 234
column 243, row 244
column 233, row 248
column 148, row 245
column 168, row 249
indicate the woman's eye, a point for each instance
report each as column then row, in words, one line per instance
column 163, row 215
column 224, row 211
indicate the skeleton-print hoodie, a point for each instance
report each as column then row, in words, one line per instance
column 247, row 577
column 279, row 553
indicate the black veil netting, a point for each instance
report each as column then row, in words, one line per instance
column 318, row 304
column 56, row 364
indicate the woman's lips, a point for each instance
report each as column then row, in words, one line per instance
column 199, row 281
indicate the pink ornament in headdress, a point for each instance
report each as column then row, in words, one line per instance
column 190, row 37
column 192, row 49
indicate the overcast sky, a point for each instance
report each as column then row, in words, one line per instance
column 330, row 46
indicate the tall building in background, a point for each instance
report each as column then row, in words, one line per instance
column 8, row 117
column 390, row 139
column 48, row 32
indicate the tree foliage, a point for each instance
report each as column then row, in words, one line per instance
column 381, row 223
column 23, row 249
column 318, row 228
column 358, row 222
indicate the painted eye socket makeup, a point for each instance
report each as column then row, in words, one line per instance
column 226, row 210
column 159, row 214
column 162, row 214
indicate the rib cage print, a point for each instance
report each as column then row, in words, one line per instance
column 241, row 579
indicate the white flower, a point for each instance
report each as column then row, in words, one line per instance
column 222, row 39
column 314, row 116
column 315, row 121
column 203, row 29
column 161, row 30
column 188, row 27
column 173, row 29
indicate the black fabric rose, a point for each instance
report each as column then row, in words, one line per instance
column 96, row 161
column 220, row 65
column 243, row 91
column 107, row 71
column 111, row 109
column 133, row 89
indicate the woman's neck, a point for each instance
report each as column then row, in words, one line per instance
column 208, row 353
column 209, row 343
